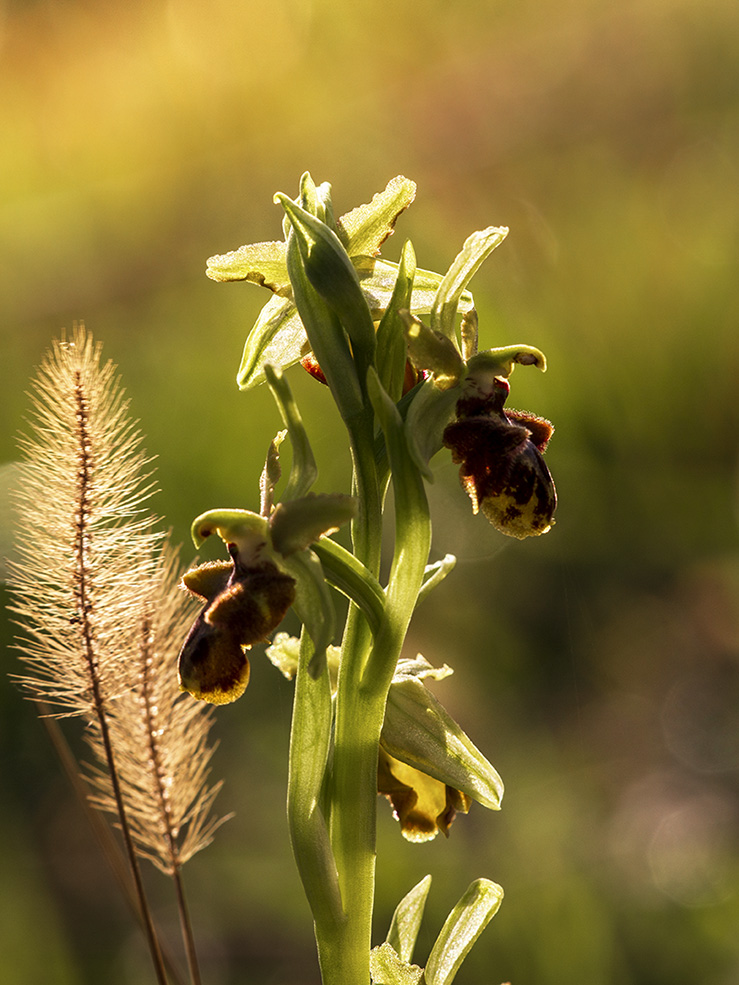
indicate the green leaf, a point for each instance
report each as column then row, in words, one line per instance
column 345, row 572
column 407, row 918
column 310, row 743
column 391, row 346
column 386, row 968
column 365, row 229
column 420, row 732
column 296, row 524
column 476, row 248
column 463, row 926
column 304, row 471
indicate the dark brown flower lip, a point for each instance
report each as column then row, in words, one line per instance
column 501, row 465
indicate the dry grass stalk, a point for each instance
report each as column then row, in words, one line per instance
column 96, row 592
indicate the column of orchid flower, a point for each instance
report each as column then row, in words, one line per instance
column 363, row 721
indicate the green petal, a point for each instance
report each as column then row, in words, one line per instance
column 430, row 350
column 420, row 732
column 270, row 474
column 365, row 229
column 476, row 248
column 391, row 345
column 296, row 524
column 463, row 926
column 304, row 470
column 259, row 263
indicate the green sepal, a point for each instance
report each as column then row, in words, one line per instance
column 313, row 605
column 386, row 968
column 430, row 350
column 476, row 248
column 365, row 228
column 391, row 345
column 264, row 264
column 463, row 926
column 330, row 271
column 428, row 414
column 296, row 524
column 277, row 337
column 420, row 732
column 304, row 471
column 406, row 920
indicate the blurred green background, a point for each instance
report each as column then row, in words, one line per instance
column 598, row 667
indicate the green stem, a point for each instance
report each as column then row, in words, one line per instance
column 367, row 668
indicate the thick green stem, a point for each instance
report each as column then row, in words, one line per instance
column 366, row 672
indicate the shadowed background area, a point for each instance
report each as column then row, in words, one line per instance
column 597, row 667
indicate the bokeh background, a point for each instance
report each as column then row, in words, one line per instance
column 598, row 667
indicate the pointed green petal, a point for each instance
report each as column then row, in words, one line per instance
column 365, row 229
column 391, row 346
column 270, row 474
column 476, row 248
column 259, row 263
column 304, row 471
column 463, row 926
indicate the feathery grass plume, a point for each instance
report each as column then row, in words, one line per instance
column 160, row 735
column 96, row 593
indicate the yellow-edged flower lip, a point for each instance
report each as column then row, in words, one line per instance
column 242, row 607
column 502, row 469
